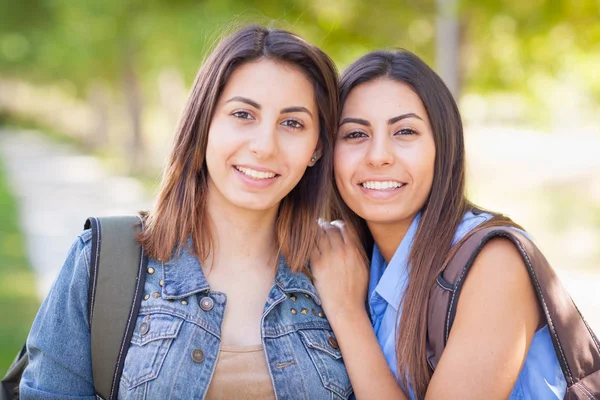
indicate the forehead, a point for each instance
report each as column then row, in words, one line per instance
column 268, row 81
column 382, row 97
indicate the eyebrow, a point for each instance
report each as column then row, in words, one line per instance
column 244, row 100
column 295, row 109
column 359, row 121
column 257, row 106
column 391, row 121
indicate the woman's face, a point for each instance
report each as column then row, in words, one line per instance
column 384, row 152
column 263, row 134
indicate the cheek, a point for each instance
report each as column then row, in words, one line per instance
column 223, row 138
column 343, row 160
column 424, row 162
column 218, row 149
column 298, row 150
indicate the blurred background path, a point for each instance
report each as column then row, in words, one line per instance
column 56, row 189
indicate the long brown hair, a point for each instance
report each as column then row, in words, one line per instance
column 180, row 211
column 440, row 215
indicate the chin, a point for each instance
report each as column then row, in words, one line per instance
column 383, row 216
column 255, row 204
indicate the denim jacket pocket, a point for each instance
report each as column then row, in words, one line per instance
column 150, row 344
column 327, row 358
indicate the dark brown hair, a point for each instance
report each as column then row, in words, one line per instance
column 440, row 215
column 180, row 211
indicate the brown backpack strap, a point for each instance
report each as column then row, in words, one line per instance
column 576, row 346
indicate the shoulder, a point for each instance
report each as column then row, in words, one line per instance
column 499, row 282
column 80, row 251
column 499, row 261
column 85, row 237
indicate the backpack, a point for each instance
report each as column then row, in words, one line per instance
column 577, row 347
column 115, row 293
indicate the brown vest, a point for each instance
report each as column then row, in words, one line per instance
column 577, row 347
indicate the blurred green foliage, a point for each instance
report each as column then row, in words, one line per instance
column 506, row 44
column 18, row 299
column 527, row 46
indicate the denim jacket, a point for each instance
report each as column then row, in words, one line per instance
column 176, row 342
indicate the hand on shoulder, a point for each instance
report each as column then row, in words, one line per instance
column 340, row 270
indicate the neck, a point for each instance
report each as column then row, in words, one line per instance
column 388, row 236
column 241, row 237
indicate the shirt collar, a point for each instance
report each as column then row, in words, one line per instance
column 391, row 280
column 183, row 277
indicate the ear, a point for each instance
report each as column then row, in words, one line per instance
column 316, row 155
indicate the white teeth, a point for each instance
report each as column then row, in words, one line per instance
column 379, row 185
column 256, row 174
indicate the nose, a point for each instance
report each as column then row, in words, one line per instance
column 265, row 142
column 378, row 153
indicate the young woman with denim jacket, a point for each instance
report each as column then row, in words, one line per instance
column 400, row 190
column 228, row 310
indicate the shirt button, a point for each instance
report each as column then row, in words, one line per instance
column 333, row 342
column 197, row 355
column 144, row 328
column 207, row 303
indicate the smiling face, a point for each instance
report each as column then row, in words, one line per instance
column 263, row 135
column 384, row 152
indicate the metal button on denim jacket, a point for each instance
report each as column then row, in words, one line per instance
column 176, row 342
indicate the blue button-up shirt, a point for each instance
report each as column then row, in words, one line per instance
column 540, row 377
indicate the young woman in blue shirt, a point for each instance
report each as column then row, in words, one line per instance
column 399, row 166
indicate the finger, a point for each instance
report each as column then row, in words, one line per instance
column 322, row 243
column 334, row 235
column 315, row 257
column 350, row 237
column 343, row 230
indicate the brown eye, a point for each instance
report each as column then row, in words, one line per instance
column 406, row 131
column 355, row 135
column 292, row 123
column 242, row 115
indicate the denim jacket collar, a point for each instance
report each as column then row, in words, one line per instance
column 298, row 282
column 183, row 277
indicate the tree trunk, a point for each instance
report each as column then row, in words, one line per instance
column 134, row 107
column 447, row 44
column 99, row 100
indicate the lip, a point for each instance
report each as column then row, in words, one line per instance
column 379, row 179
column 381, row 194
column 255, row 167
column 254, row 183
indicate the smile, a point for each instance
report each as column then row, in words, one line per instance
column 256, row 174
column 381, row 185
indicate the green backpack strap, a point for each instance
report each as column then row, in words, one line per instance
column 9, row 389
column 116, row 287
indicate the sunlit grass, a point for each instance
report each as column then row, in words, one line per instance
column 18, row 299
